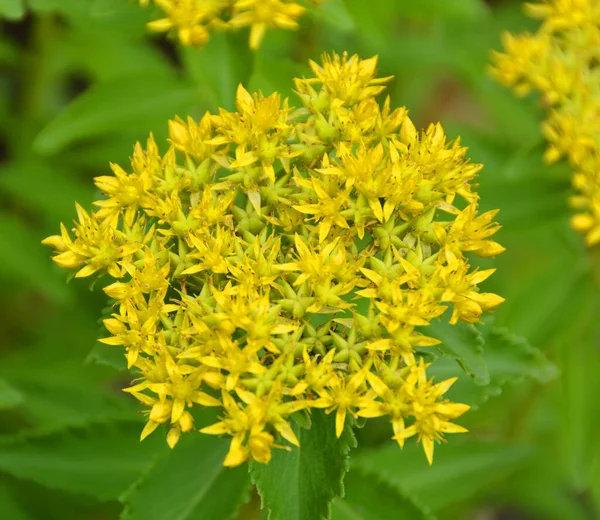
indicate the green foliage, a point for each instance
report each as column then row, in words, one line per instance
column 145, row 98
column 463, row 343
column 9, row 396
column 503, row 357
column 12, row 9
column 81, row 81
column 99, row 459
column 461, row 470
column 189, row 483
column 300, row 485
column 369, row 498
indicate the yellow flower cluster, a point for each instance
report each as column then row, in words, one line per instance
column 192, row 20
column 560, row 61
column 277, row 260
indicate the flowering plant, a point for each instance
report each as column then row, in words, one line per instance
column 560, row 62
column 277, row 260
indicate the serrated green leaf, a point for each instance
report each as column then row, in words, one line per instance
column 460, row 468
column 198, row 486
column 509, row 359
column 300, row 485
column 368, row 498
column 100, row 460
column 134, row 103
column 463, row 343
column 9, row 396
column 12, row 9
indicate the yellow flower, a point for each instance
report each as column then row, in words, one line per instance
column 432, row 416
column 559, row 61
column 261, row 14
column 98, row 246
column 192, row 20
column 256, row 225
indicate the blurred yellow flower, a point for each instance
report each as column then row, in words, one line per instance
column 192, row 20
column 560, row 61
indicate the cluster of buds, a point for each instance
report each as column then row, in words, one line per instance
column 192, row 20
column 560, row 61
column 277, row 260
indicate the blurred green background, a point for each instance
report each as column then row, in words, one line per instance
column 81, row 81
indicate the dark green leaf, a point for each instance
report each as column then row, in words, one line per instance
column 275, row 74
column 368, row 498
column 463, row 343
column 108, row 355
column 509, row 359
column 460, row 468
column 301, row 484
column 138, row 102
column 100, row 460
column 57, row 190
column 219, row 67
column 189, row 483
column 25, row 259
column 10, row 508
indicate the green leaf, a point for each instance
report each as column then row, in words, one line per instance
column 138, row 102
column 275, row 74
column 108, row 355
column 220, row 67
column 469, row 10
column 517, row 120
column 12, row 9
column 577, row 400
column 300, row 485
column 509, row 359
column 106, row 56
column 56, row 190
column 539, row 490
column 101, row 460
column 463, row 343
column 25, row 259
column 9, row 396
column 368, row 498
column 197, row 486
column 107, row 7
column 11, row 509
column 70, row 7
column 334, row 13
column 460, row 469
